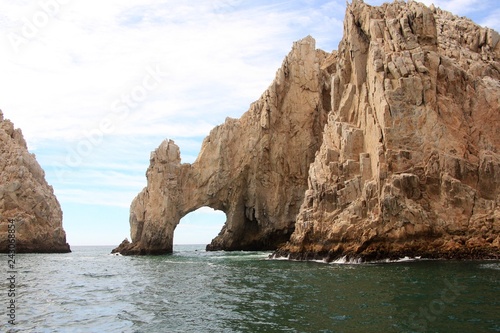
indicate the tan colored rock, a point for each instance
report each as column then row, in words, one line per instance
column 26, row 198
column 419, row 108
column 401, row 127
column 254, row 168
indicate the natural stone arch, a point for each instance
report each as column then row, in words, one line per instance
column 174, row 190
column 409, row 163
column 254, row 168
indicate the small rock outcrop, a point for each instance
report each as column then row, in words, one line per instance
column 122, row 247
column 388, row 147
column 26, row 200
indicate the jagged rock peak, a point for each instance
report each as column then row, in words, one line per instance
column 409, row 163
column 26, row 198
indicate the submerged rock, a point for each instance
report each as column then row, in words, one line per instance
column 385, row 148
column 27, row 203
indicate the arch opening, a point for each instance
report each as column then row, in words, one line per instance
column 199, row 227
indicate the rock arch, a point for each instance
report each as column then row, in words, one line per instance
column 254, row 168
column 407, row 164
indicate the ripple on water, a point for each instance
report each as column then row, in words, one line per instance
column 197, row 291
column 494, row 266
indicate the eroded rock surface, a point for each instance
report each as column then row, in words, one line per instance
column 254, row 168
column 26, row 198
column 409, row 164
column 401, row 127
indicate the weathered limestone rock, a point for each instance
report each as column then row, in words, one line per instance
column 410, row 161
column 388, row 147
column 254, row 168
column 26, row 198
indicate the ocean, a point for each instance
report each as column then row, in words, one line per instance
column 191, row 290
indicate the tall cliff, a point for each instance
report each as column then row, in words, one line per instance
column 26, row 198
column 387, row 147
column 409, row 164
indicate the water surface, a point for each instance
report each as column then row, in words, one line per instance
column 90, row 290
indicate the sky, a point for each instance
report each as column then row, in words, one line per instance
column 96, row 86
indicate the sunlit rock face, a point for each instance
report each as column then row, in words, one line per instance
column 409, row 163
column 254, row 168
column 28, row 205
column 385, row 148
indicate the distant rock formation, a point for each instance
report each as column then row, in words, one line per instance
column 401, row 125
column 26, row 200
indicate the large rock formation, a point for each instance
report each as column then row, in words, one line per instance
column 401, row 127
column 254, row 168
column 26, row 199
column 409, row 164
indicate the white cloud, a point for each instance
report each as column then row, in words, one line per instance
column 200, row 226
column 91, row 53
column 96, row 197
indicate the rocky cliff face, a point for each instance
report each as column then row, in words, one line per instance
column 26, row 198
column 254, row 168
column 409, row 164
column 401, row 127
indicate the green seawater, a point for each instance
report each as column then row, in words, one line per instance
column 90, row 290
